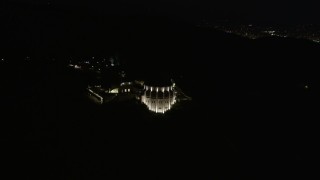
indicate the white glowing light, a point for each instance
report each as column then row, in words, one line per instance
column 159, row 104
column 114, row 91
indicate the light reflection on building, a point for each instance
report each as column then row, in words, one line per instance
column 159, row 99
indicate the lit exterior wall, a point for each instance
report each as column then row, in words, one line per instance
column 159, row 99
column 126, row 87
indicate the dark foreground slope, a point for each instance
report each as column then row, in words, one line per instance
column 50, row 130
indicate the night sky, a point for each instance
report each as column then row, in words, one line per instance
column 284, row 11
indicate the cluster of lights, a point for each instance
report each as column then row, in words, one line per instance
column 272, row 33
column 94, row 62
column 125, row 83
column 126, row 90
column 77, row 67
column 163, row 89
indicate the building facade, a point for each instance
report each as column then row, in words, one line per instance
column 159, row 99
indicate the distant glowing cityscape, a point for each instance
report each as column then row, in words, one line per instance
column 254, row 31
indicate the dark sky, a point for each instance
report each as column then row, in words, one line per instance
column 283, row 11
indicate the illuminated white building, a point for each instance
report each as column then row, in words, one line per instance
column 159, row 99
column 159, row 96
